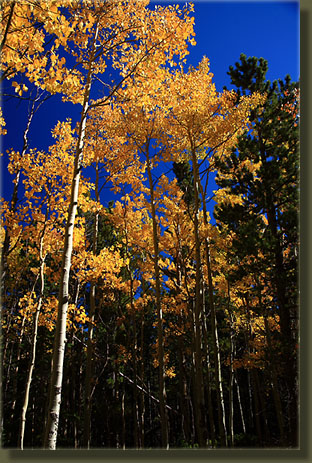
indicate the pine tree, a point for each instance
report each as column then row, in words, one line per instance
column 262, row 174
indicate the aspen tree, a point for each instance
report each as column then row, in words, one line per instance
column 112, row 27
column 60, row 337
column 204, row 125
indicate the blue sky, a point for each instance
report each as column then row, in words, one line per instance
column 224, row 30
column 265, row 29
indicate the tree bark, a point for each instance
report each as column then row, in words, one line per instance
column 240, row 403
column 8, row 24
column 34, row 341
column 207, row 376
column 231, row 390
column 201, row 427
column 290, row 366
column 257, row 412
column 214, row 332
column 6, row 243
column 89, row 360
column 123, row 417
column 60, row 334
column 274, row 379
column 141, row 398
column 183, row 395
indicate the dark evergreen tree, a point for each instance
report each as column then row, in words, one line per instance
column 266, row 223
column 184, row 175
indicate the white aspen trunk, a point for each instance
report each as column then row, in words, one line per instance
column 231, row 381
column 231, row 394
column 89, row 360
column 215, row 336
column 200, row 415
column 207, row 377
column 34, row 336
column 142, row 374
column 32, row 354
column 123, row 418
column 60, row 334
column 240, row 403
column 18, row 355
column 134, row 348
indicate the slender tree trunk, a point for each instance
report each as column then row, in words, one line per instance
column 5, row 249
column 290, row 366
column 240, row 403
column 288, row 350
column 142, row 372
column 136, row 427
column 274, row 378
column 231, row 381
column 183, row 395
column 123, row 418
column 142, row 401
column 4, row 390
column 162, row 389
column 89, row 360
column 73, row 395
column 33, row 343
column 150, row 419
column 263, row 412
column 8, row 24
column 231, row 389
column 251, row 412
column 199, row 401
column 18, row 358
column 60, row 334
column 192, row 401
column 254, row 385
column 208, row 376
column 214, row 332
column 115, row 427
column 89, row 372
column 79, row 390
column 6, row 243
column 257, row 412
column 6, row 341
column 74, row 372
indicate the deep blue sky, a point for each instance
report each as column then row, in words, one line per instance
column 265, row 29
column 224, row 30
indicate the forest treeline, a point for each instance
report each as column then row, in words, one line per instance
column 158, row 321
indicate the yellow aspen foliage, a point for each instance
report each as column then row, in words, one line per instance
column 201, row 117
column 26, row 30
column 2, row 124
column 103, row 268
column 77, row 316
column 170, row 372
column 256, row 356
column 39, row 219
column 224, row 196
